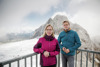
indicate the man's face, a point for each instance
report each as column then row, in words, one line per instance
column 66, row 25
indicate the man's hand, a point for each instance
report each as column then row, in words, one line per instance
column 46, row 53
column 66, row 50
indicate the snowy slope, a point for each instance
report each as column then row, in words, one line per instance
column 15, row 49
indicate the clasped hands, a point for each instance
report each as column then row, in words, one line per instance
column 46, row 53
column 65, row 50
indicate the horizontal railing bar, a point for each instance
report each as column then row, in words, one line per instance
column 16, row 59
column 90, row 51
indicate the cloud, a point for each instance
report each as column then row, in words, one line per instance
column 12, row 13
column 60, row 13
column 88, row 16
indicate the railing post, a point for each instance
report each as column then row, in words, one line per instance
column 36, row 61
column 1, row 65
column 93, row 61
column 76, row 59
column 9, row 64
column 18, row 63
column 31, row 61
column 87, row 60
column 81, row 60
column 25, row 62
column 59, row 60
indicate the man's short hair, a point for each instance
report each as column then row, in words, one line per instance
column 66, row 22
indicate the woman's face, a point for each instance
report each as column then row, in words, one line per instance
column 66, row 26
column 49, row 31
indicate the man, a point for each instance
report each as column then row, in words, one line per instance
column 69, row 41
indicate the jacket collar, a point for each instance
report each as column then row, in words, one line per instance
column 67, row 30
column 49, row 38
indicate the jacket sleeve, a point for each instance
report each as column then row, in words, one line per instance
column 59, row 41
column 77, row 43
column 37, row 48
column 57, row 51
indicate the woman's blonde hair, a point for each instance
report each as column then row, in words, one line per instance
column 46, row 29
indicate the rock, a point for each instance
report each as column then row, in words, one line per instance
column 56, row 22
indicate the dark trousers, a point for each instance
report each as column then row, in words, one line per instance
column 50, row 66
column 67, row 60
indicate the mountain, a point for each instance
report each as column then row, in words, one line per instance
column 96, row 42
column 56, row 22
column 10, row 37
column 96, row 47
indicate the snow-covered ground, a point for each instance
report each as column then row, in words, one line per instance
column 16, row 49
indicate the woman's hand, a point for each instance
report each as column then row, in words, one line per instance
column 46, row 53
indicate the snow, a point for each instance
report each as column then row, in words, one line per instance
column 17, row 49
column 60, row 13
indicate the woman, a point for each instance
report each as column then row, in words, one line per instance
column 48, row 47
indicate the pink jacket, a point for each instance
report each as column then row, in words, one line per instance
column 50, row 44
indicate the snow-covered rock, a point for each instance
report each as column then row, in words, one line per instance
column 96, row 47
column 56, row 22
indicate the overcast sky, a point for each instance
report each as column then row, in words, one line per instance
column 18, row 16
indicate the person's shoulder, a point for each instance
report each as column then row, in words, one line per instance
column 41, row 38
column 55, row 39
column 73, row 31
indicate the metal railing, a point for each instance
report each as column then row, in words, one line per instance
column 9, row 62
column 2, row 64
column 87, row 57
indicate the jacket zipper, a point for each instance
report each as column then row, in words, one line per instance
column 49, row 44
column 48, row 50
